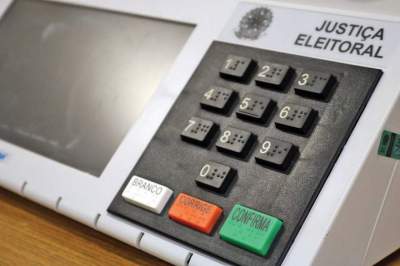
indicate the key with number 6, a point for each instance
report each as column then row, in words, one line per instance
column 295, row 118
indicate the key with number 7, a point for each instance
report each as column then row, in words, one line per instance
column 199, row 131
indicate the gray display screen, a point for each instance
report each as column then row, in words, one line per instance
column 73, row 80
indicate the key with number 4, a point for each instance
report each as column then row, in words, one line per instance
column 218, row 99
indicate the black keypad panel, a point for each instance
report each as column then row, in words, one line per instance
column 275, row 153
column 314, row 84
column 295, row 118
column 199, row 131
column 215, row 176
column 272, row 75
column 235, row 141
column 255, row 108
column 270, row 148
column 237, row 68
column 217, row 99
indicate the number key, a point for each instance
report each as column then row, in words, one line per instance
column 255, row 108
column 199, row 131
column 237, row 68
column 314, row 84
column 275, row 153
column 217, row 99
column 235, row 141
column 295, row 118
column 273, row 75
column 215, row 176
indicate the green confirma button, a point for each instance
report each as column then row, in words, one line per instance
column 250, row 229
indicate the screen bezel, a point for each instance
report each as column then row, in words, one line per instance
column 26, row 172
column 78, row 95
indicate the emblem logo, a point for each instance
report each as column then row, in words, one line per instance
column 254, row 23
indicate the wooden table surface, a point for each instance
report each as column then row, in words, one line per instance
column 33, row 235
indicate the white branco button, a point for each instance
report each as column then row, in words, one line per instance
column 147, row 194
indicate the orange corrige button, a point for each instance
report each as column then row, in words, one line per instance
column 195, row 213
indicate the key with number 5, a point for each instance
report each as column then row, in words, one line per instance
column 255, row 108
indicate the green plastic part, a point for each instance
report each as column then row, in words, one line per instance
column 389, row 145
column 250, row 229
column 384, row 144
column 396, row 148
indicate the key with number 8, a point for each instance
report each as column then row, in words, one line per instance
column 295, row 118
column 235, row 141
